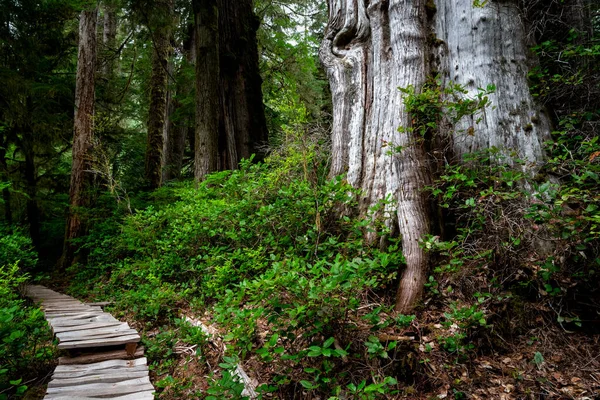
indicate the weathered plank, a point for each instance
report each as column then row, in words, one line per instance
column 100, row 342
column 78, row 334
column 105, row 389
column 73, row 322
column 86, row 326
column 102, row 365
column 103, row 356
column 101, row 376
column 91, row 372
column 148, row 395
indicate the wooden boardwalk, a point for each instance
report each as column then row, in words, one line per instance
column 80, row 326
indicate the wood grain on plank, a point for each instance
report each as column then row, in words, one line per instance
column 100, row 376
column 100, row 342
column 103, row 356
column 103, row 365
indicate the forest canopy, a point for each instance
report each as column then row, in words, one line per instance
column 374, row 199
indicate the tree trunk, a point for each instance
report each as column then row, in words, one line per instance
column 83, row 130
column 207, row 88
column 4, row 177
column 109, row 39
column 369, row 52
column 160, row 27
column 33, row 211
column 243, row 128
column 230, row 118
column 372, row 48
column 176, row 134
column 487, row 45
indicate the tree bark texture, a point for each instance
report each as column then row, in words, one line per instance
column 109, row 39
column 371, row 49
column 175, row 142
column 160, row 27
column 208, row 111
column 487, row 45
column 226, row 47
column 243, row 124
column 82, row 132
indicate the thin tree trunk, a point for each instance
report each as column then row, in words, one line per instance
column 5, row 192
column 160, row 26
column 33, row 211
column 369, row 53
column 83, row 130
column 168, row 125
column 207, row 88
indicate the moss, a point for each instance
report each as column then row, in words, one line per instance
column 430, row 8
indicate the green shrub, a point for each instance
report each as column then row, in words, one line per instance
column 24, row 335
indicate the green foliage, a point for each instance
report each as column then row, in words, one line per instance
column 432, row 104
column 24, row 335
column 264, row 249
column 16, row 248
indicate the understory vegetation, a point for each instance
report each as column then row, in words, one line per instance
column 263, row 256
column 266, row 268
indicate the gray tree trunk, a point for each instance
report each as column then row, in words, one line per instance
column 487, row 45
column 82, row 132
column 370, row 51
column 374, row 47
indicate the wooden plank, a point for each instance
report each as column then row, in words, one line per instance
column 100, row 342
column 90, row 325
column 102, row 365
column 100, row 303
column 79, row 315
column 121, row 327
column 79, row 374
column 148, row 395
column 105, row 389
column 102, row 376
column 98, row 357
column 88, row 335
column 75, row 322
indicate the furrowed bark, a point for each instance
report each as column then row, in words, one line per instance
column 109, row 39
column 207, row 88
column 488, row 45
column 82, row 135
column 369, row 53
column 243, row 128
column 160, row 26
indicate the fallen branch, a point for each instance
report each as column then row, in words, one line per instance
column 215, row 340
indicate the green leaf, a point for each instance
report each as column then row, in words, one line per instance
column 307, row 385
column 328, row 342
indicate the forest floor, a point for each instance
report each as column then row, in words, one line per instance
column 544, row 361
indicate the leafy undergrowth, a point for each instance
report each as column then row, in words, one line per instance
column 26, row 349
column 304, row 304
